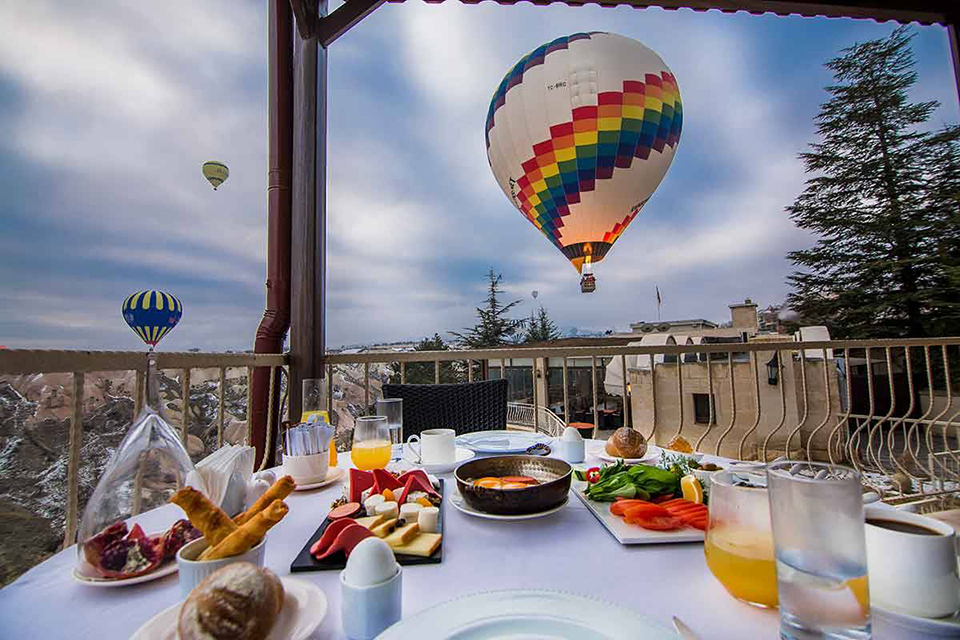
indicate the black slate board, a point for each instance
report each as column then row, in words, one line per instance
column 305, row 562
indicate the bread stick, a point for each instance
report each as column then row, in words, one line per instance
column 249, row 534
column 204, row 515
column 277, row 491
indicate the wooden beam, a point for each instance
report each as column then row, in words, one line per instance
column 904, row 11
column 344, row 18
column 309, row 213
column 306, row 14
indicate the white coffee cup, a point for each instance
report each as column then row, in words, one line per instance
column 435, row 446
column 912, row 573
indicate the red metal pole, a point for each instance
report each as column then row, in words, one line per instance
column 276, row 316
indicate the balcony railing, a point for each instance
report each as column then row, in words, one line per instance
column 889, row 408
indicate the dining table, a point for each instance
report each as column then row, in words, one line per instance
column 568, row 551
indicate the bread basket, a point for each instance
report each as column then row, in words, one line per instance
column 193, row 571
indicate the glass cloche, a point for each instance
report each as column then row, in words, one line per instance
column 149, row 466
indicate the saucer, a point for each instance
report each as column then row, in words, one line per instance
column 463, row 454
column 333, row 474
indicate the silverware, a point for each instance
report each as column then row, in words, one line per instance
column 683, row 630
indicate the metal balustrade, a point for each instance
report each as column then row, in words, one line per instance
column 885, row 407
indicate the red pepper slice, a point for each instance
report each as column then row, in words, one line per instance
column 593, row 475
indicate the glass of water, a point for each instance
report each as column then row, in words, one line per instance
column 816, row 511
column 392, row 410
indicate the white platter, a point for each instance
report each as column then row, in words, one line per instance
column 502, row 441
column 170, row 566
column 631, row 533
column 334, row 474
column 304, row 607
column 894, row 626
column 527, row 614
column 461, row 505
column 463, row 454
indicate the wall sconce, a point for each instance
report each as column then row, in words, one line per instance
column 773, row 369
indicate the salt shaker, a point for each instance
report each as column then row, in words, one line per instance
column 571, row 446
column 370, row 590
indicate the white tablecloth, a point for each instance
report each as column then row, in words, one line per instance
column 569, row 551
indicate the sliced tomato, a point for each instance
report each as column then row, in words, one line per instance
column 521, row 479
column 675, row 501
column 699, row 523
column 685, row 509
column 663, row 499
column 645, row 510
column 657, row 523
column 618, row 507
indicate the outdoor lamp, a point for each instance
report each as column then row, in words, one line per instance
column 773, row 369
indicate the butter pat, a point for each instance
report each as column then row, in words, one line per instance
column 387, row 509
column 427, row 519
column 408, row 511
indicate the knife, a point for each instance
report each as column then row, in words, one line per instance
column 683, row 630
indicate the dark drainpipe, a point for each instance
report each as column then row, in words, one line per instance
column 276, row 316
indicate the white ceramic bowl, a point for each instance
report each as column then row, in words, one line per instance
column 193, row 571
column 307, row 469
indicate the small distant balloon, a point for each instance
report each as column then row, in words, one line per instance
column 152, row 314
column 534, row 293
column 216, row 172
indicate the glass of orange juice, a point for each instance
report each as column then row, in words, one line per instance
column 739, row 544
column 371, row 443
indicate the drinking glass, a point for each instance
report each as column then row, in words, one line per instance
column 371, row 443
column 816, row 511
column 314, row 400
column 739, row 544
column 392, row 410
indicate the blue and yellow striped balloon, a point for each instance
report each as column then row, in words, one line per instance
column 152, row 314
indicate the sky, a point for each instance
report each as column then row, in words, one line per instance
column 109, row 108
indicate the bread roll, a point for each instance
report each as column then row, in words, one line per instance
column 238, row 602
column 626, row 443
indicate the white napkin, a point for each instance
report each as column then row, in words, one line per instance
column 225, row 474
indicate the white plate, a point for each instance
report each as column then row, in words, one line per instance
column 332, row 476
column 170, row 566
column 304, row 607
column 651, row 456
column 631, row 533
column 502, row 441
column 893, row 626
column 461, row 505
column 463, row 454
column 527, row 615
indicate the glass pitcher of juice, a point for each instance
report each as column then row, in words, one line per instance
column 739, row 544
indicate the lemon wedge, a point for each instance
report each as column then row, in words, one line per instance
column 692, row 489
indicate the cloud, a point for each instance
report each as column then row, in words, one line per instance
column 111, row 107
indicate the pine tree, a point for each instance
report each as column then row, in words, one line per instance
column 884, row 201
column 540, row 328
column 423, row 372
column 494, row 328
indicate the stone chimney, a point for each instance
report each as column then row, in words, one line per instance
column 744, row 316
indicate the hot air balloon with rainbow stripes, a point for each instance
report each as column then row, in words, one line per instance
column 152, row 314
column 579, row 134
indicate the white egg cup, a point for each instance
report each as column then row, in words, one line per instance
column 367, row 611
